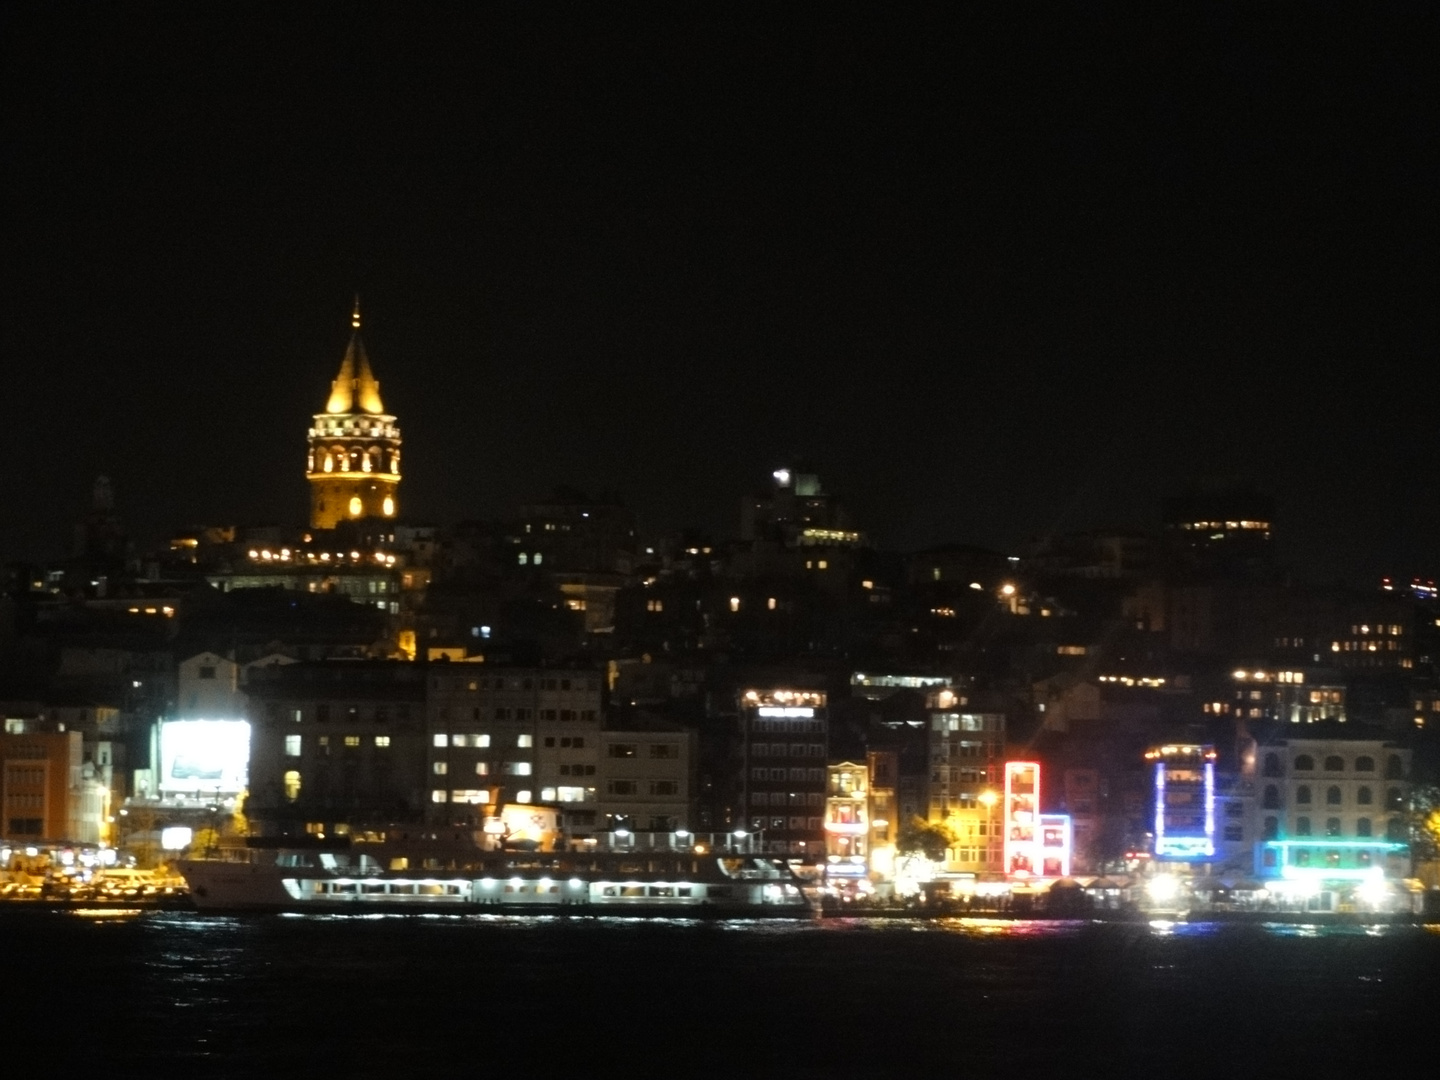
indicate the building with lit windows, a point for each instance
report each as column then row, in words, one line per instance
column 797, row 513
column 1289, row 695
column 966, row 755
column 646, row 780
column 336, row 746
column 354, row 458
column 1378, row 636
column 501, row 735
column 1224, row 525
column 1343, row 787
column 1333, row 813
column 847, row 820
column 883, row 777
column 782, row 748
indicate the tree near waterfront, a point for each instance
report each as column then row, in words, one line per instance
column 1425, row 834
column 921, row 837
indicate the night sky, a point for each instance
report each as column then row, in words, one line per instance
column 992, row 279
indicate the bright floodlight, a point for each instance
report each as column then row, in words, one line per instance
column 1164, row 887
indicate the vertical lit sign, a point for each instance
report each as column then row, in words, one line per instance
column 1184, row 801
column 1055, row 844
column 1020, row 819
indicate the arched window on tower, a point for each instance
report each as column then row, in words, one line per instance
column 365, row 461
column 329, row 463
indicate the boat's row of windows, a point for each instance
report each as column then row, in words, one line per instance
column 382, row 888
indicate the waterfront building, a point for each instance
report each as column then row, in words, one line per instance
column 645, row 781
column 782, row 754
column 1333, row 812
column 883, row 809
column 354, row 446
column 46, row 791
column 847, row 820
column 336, row 746
column 1184, row 815
column 966, row 752
column 501, row 735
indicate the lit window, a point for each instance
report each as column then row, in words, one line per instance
column 524, row 741
column 539, row 558
column 524, row 559
column 442, row 740
column 547, row 794
column 734, row 603
column 292, row 745
column 382, row 740
column 523, row 796
column 437, row 795
column 440, row 768
column 482, row 768
column 292, row 785
column 356, row 507
column 352, row 740
column 517, row 768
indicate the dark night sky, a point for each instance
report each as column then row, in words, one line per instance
column 992, row 278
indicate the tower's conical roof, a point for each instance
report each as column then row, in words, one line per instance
column 355, row 388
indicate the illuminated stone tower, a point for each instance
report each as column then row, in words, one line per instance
column 354, row 466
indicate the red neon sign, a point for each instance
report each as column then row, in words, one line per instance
column 1020, row 819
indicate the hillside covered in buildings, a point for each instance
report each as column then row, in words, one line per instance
column 1137, row 694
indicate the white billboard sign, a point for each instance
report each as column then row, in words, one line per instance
column 204, row 757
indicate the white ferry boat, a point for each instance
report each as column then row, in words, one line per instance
column 432, row 874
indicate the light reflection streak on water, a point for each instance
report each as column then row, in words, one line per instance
column 969, row 926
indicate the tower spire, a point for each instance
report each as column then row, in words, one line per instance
column 354, row 462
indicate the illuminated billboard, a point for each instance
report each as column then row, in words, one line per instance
column 1019, row 820
column 1055, row 844
column 204, row 757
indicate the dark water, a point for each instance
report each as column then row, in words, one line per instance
column 183, row 995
